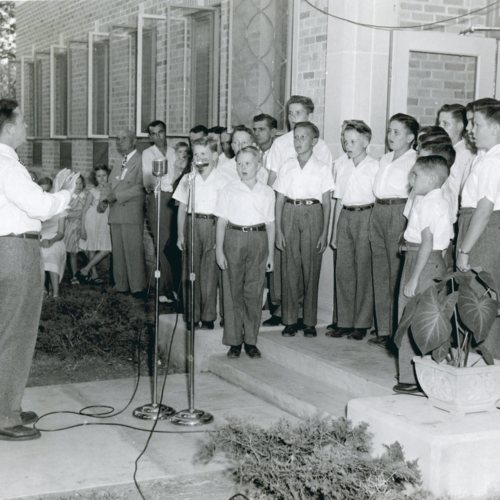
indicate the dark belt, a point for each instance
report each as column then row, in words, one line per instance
column 203, row 216
column 391, row 201
column 246, row 229
column 308, row 202
column 24, row 236
column 414, row 247
column 358, row 208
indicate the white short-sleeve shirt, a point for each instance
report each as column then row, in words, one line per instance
column 392, row 179
column 452, row 187
column 283, row 149
column 309, row 182
column 354, row 184
column 432, row 211
column 484, row 180
column 240, row 205
column 148, row 179
column 206, row 191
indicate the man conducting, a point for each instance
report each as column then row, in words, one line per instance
column 23, row 205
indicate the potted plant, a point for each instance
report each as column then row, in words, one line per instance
column 450, row 321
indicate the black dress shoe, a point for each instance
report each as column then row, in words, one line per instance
column 207, row 325
column 234, row 351
column 289, row 331
column 337, row 332
column 358, row 334
column 141, row 295
column 272, row 321
column 310, row 331
column 19, row 433
column 28, row 417
column 403, row 388
column 380, row 341
column 252, row 351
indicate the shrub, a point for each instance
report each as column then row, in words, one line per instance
column 312, row 459
column 86, row 321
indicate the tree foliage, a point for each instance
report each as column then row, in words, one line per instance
column 7, row 31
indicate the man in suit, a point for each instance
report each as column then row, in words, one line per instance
column 126, row 217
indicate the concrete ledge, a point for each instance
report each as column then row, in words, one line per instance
column 458, row 455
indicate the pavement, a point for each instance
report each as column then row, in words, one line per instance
column 92, row 458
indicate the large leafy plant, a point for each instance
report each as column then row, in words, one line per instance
column 452, row 317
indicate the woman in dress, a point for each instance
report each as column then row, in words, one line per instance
column 95, row 233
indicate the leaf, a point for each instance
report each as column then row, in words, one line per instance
column 486, row 279
column 431, row 326
column 440, row 353
column 406, row 319
column 486, row 354
column 476, row 312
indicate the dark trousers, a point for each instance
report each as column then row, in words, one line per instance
column 301, row 262
column 435, row 268
column 485, row 254
column 129, row 270
column 354, row 270
column 166, row 280
column 387, row 225
column 243, row 285
column 21, row 286
column 205, row 269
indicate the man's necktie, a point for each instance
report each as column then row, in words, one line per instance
column 124, row 162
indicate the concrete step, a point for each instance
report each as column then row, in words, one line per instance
column 356, row 367
column 289, row 390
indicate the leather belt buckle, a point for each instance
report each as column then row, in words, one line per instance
column 245, row 229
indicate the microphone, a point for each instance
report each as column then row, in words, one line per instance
column 160, row 166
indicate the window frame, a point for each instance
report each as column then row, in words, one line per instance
column 52, row 85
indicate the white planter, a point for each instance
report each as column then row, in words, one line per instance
column 459, row 390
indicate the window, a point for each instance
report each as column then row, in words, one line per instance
column 77, row 89
column 65, row 156
column 58, row 92
column 203, row 98
column 260, row 63
column 98, row 102
column 100, row 151
column 37, row 154
column 148, row 96
column 28, row 94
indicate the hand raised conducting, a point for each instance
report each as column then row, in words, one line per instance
column 70, row 182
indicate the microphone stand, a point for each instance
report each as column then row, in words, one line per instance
column 155, row 410
column 191, row 416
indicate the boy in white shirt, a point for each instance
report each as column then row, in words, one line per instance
column 354, row 176
column 479, row 217
column 303, row 187
column 299, row 109
column 208, row 182
column 244, row 251
column 427, row 237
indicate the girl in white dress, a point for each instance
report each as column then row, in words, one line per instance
column 52, row 245
column 95, row 235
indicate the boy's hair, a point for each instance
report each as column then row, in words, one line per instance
column 199, row 129
column 217, row 130
column 45, row 180
column 243, row 128
column 270, row 120
column 310, row 126
column 408, row 121
column 181, row 144
column 301, row 99
column 435, row 165
column 360, row 127
column 478, row 103
column 254, row 151
column 491, row 112
column 457, row 111
column 206, row 142
column 158, row 123
column 96, row 168
column 432, row 133
column 440, row 148
column 7, row 108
